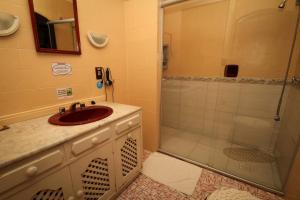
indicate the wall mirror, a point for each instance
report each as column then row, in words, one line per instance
column 55, row 26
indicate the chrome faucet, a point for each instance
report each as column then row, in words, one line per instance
column 62, row 110
column 73, row 106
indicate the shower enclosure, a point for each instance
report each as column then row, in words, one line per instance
column 224, row 68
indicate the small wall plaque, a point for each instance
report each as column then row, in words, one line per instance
column 61, row 69
column 63, row 93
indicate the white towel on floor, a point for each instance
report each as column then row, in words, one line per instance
column 231, row 194
column 172, row 172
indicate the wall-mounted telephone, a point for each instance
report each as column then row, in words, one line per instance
column 105, row 79
column 109, row 82
column 108, row 77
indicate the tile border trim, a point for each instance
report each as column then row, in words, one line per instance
column 234, row 80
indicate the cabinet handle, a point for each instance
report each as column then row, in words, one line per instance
column 31, row 171
column 79, row 193
column 71, row 198
column 130, row 124
column 95, row 141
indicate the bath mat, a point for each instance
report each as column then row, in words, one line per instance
column 248, row 155
column 231, row 194
column 172, row 172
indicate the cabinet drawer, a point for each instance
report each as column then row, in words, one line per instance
column 90, row 141
column 54, row 187
column 30, row 170
column 127, row 123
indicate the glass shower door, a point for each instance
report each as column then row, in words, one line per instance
column 226, row 123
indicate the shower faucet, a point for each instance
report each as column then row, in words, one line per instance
column 282, row 4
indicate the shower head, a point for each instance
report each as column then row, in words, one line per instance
column 282, row 4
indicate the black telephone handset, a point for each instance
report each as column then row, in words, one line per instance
column 108, row 80
column 109, row 83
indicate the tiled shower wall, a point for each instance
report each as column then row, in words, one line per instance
column 288, row 137
column 239, row 112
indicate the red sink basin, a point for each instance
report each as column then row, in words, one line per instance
column 81, row 116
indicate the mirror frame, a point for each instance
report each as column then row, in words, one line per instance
column 36, row 38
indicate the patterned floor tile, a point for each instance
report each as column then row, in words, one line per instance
column 144, row 188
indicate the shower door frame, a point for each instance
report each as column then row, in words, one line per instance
column 161, row 31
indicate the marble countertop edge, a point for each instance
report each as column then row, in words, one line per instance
column 30, row 137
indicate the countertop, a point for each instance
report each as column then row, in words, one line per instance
column 26, row 138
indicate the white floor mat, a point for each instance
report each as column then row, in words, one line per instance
column 231, row 194
column 172, row 172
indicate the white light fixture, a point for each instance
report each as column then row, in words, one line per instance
column 98, row 40
column 9, row 24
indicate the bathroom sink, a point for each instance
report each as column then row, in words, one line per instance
column 81, row 116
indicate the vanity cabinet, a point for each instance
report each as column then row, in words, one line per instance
column 55, row 187
column 128, row 156
column 93, row 175
column 95, row 165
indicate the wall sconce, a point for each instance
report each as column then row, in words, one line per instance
column 9, row 24
column 98, row 40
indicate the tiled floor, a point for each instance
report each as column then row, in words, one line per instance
column 209, row 151
column 144, row 188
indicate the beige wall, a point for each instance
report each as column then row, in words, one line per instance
column 26, row 80
column 172, row 38
column 141, row 22
column 213, row 34
column 196, row 42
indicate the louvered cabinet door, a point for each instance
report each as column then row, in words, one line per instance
column 57, row 186
column 128, row 156
column 93, row 175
